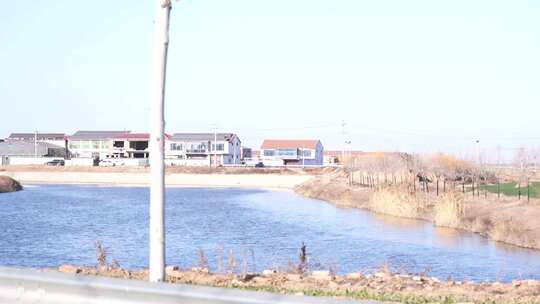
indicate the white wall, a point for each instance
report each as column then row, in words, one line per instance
column 17, row 160
column 141, row 162
column 80, row 162
column 189, row 162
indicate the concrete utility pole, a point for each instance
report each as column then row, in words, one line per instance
column 157, row 145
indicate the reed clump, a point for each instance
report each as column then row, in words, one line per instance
column 449, row 210
column 398, row 203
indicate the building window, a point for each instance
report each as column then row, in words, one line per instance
column 96, row 144
column 220, row 147
column 269, row 152
column 105, row 144
column 287, row 152
column 176, row 147
column 197, row 148
column 307, row 153
column 74, row 145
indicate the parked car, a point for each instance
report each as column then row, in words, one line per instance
column 259, row 165
column 56, row 162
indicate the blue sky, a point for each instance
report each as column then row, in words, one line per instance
column 405, row 75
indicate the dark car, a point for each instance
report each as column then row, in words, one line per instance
column 259, row 165
column 56, row 162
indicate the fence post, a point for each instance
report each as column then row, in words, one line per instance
column 473, row 186
column 528, row 192
column 498, row 188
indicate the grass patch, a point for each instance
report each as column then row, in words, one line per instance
column 511, row 189
column 365, row 294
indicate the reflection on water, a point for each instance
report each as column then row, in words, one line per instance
column 57, row 224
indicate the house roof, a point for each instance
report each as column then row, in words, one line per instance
column 142, row 136
column 290, row 143
column 40, row 136
column 132, row 136
column 97, row 135
column 89, row 135
column 202, row 136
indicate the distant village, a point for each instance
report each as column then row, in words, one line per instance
column 125, row 148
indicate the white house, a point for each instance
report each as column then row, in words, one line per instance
column 283, row 152
column 108, row 144
column 203, row 149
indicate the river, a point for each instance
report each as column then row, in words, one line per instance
column 50, row 225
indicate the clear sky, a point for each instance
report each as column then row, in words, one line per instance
column 405, row 75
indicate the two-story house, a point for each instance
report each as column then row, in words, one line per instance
column 283, row 152
column 108, row 144
column 203, row 149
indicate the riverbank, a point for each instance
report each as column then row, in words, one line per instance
column 382, row 285
column 505, row 220
column 174, row 177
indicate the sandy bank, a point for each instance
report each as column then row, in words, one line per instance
column 505, row 220
column 269, row 181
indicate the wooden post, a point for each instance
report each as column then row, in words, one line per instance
column 473, row 186
column 528, row 192
column 444, row 185
column 498, row 188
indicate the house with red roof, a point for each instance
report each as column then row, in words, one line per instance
column 298, row 152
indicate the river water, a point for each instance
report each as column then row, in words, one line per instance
column 50, row 225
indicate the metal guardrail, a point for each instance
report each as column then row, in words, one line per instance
column 34, row 286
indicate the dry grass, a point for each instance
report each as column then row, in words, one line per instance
column 449, row 210
column 399, row 203
column 506, row 219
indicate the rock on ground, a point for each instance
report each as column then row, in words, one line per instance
column 8, row 184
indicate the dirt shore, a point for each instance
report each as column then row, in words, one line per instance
column 176, row 176
column 381, row 285
column 506, row 219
